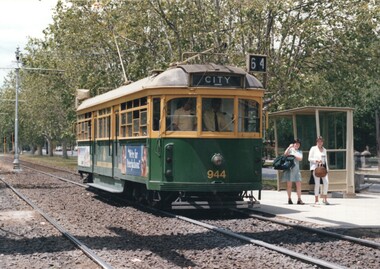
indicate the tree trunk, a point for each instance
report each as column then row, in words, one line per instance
column 39, row 150
column 50, row 146
column 64, row 150
column 32, row 149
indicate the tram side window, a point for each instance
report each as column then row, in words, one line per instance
column 83, row 132
column 249, row 119
column 123, row 124
column 156, row 114
column 181, row 114
column 84, row 126
column 218, row 114
column 104, row 116
column 133, row 118
column 104, row 127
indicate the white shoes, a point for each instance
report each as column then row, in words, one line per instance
column 322, row 203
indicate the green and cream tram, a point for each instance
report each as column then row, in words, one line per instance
column 190, row 136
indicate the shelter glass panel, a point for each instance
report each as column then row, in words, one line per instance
column 333, row 129
column 336, row 160
column 304, row 164
column 306, row 130
column 285, row 134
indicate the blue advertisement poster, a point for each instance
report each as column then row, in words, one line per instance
column 136, row 158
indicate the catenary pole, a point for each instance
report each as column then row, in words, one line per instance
column 16, row 162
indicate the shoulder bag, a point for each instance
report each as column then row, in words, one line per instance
column 284, row 162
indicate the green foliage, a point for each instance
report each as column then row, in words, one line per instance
column 320, row 53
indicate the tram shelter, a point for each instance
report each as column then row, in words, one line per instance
column 335, row 124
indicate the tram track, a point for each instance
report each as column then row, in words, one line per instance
column 34, row 165
column 79, row 244
column 57, row 177
column 313, row 241
column 287, row 252
column 364, row 242
column 242, row 236
column 314, row 261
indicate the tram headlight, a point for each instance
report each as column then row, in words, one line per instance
column 168, row 173
column 217, row 159
column 168, row 165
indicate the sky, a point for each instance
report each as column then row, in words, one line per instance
column 20, row 19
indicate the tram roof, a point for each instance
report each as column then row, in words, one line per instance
column 178, row 76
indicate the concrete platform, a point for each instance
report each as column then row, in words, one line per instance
column 361, row 211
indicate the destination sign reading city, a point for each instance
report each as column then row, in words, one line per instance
column 216, row 80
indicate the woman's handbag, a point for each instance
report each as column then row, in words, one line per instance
column 284, row 162
column 311, row 179
column 320, row 171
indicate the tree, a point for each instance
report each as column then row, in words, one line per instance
column 318, row 51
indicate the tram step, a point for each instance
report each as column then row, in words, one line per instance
column 213, row 205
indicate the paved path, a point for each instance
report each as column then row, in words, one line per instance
column 363, row 210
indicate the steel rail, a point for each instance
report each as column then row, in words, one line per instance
column 64, row 232
column 278, row 249
column 22, row 162
column 60, row 178
column 287, row 252
column 360, row 241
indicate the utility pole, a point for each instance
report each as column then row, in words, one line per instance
column 16, row 162
column 377, row 119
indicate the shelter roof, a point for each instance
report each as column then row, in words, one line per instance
column 307, row 110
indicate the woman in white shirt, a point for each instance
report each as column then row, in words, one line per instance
column 317, row 155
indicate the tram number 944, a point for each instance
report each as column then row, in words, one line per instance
column 216, row 174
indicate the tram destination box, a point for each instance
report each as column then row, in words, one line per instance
column 216, row 80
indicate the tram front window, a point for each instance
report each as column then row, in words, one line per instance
column 249, row 120
column 217, row 114
column 181, row 115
